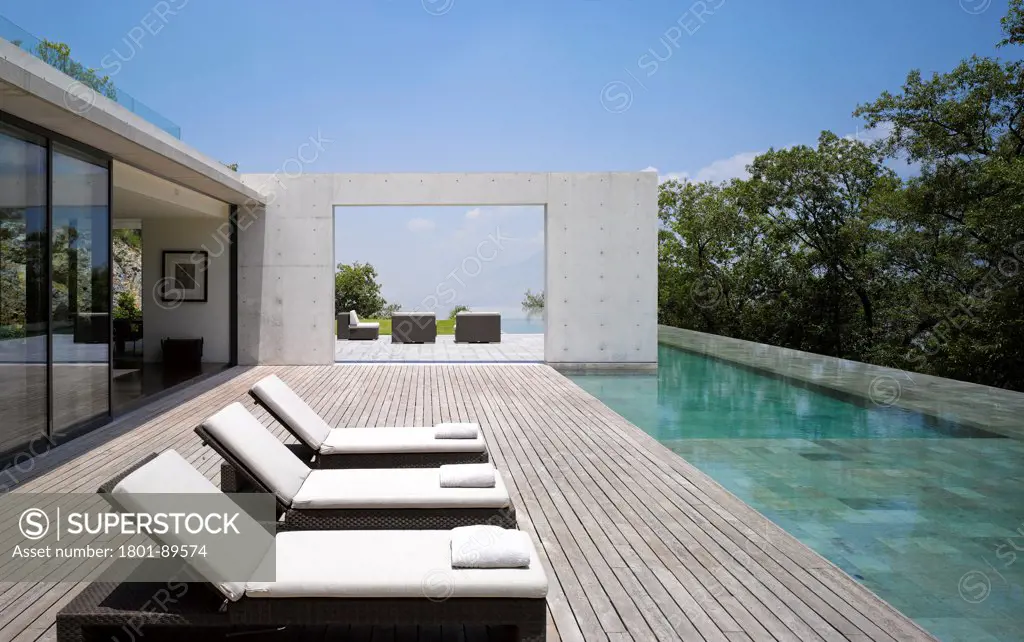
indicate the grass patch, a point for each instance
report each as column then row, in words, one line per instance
column 444, row 326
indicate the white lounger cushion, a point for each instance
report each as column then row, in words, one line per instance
column 367, row 324
column 353, row 318
column 395, row 440
column 388, row 564
column 169, row 473
column 393, row 488
column 259, row 450
column 311, row 428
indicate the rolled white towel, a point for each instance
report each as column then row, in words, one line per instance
column 456, row 431
column 490, row 547
column 467, row 476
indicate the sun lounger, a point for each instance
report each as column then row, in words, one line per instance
column 322, row 446
column 322, row 579
column 336, row 499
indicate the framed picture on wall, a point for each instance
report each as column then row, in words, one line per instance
column 185, row 277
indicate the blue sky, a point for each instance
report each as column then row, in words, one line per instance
column 523, row 85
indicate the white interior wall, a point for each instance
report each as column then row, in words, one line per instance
column 208, row 320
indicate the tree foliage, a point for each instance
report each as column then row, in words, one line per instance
column 58, row 55
column 533, row 303
column 356, row 288
column 826, row 249
column 126, row 307
column 456, row 310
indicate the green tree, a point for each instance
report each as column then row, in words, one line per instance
column 533, row 303
column 823, row 201
column 127, row 307
column 456, row 310
column 824, row 248
column 356, row 288
column 698, row 243
column 963, row 221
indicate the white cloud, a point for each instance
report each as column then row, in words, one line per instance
column 728, row 168
column 476, row 212
column 420, row 225
column 719, row 171
column 735, row 166
column 867, row 136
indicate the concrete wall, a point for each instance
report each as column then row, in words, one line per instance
column 286, row 273
column 600, row 257
column 601, row 270
column 210, row 320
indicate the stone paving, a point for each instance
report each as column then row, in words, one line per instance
column 513, row 348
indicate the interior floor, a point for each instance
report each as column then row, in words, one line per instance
column 135, row 380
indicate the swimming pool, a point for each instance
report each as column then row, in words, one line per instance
column 927, row 514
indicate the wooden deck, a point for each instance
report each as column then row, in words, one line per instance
column 639, row 545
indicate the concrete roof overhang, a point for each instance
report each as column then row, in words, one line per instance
column 36, row 92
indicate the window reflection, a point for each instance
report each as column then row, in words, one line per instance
column 80, row 250
column 23, row 288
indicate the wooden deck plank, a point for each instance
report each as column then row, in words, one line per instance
column 638, row 543
column 620, row 585
column 564, row 619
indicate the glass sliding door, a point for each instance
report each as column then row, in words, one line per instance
column 80, row 305
column 23, row 288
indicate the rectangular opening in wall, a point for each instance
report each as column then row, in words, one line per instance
column 412, row 270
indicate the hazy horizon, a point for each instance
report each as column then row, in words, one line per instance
column 435, row 258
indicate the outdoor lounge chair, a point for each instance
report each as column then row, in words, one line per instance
column 413, row 327
column 325, row 447
column 352, row 329
column 338, row 499
column 477, row 327
column 323, row 578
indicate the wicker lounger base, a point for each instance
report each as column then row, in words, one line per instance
column 385, row 519
column 394, row 519
column 233, row 482
column 129, row 611
column 385, row 460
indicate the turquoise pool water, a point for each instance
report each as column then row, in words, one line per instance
column 927, row 514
